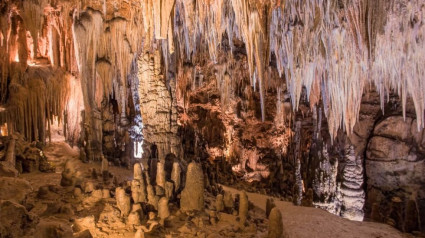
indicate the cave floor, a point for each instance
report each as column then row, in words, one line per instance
column 312, row 222
column 298, row 221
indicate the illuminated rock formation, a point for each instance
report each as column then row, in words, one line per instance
column 314, row 101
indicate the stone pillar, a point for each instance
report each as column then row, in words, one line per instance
column 160, row 174
column 123, row 201
column 175, row 176
column 192, row 196
column 275, row 224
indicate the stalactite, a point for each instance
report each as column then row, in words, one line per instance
column 37, row 95
column 316, row 42
column 399, row 56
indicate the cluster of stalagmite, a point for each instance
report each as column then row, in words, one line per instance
column 147, row 209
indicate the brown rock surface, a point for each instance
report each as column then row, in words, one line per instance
column 14, row 189
column 192, row 196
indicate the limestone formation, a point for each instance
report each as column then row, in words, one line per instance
column 89, row 187
column 192, row 196
column 219, row 204
column 69, row 174
column 12, row 216
column 14, row 189
column 159, row 191
column 94, row 173
column 83, row 234
column 169, row 189
column 163, row 210
column 275, row 224
column 148, row 180
column 139, row 233
column 123, row 201
column 138, row 172
column 243, row 208
column 152, row 199
column 269, row 206
column 175, row 176
column 77, row 192
column 138, row 191
column 106, row 193
column 318, row 102
column 229, row 203
column 97, row 194
column 137, row 207
column 105, row 169
column 160, row 174
column 308, row 198
column 134, row 218
column 52, row 229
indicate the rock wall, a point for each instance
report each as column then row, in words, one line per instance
column 395, row 174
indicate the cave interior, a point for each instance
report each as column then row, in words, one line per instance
column 212, row 118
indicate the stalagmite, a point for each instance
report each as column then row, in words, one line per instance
column 69, row 174
column 169, row 189
column 106, row 193
column 192, row 196
column 269, row 206
column 123, row 201
column 148, row 181
column 163, row 210
column 175, row 176
column 325, row 184
column 299, row 186
column 134, row 218
column 10, row 156
column 243, row 208
column 160, row 175
column 137, row 171
column 219, row 204
column 89, row 187
column 275, row 224
column 353, row 196
column 228, row 201
column 152, row 198
column 105, row 169
column 138, row 191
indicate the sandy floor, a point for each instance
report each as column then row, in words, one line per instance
column 311, row 222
